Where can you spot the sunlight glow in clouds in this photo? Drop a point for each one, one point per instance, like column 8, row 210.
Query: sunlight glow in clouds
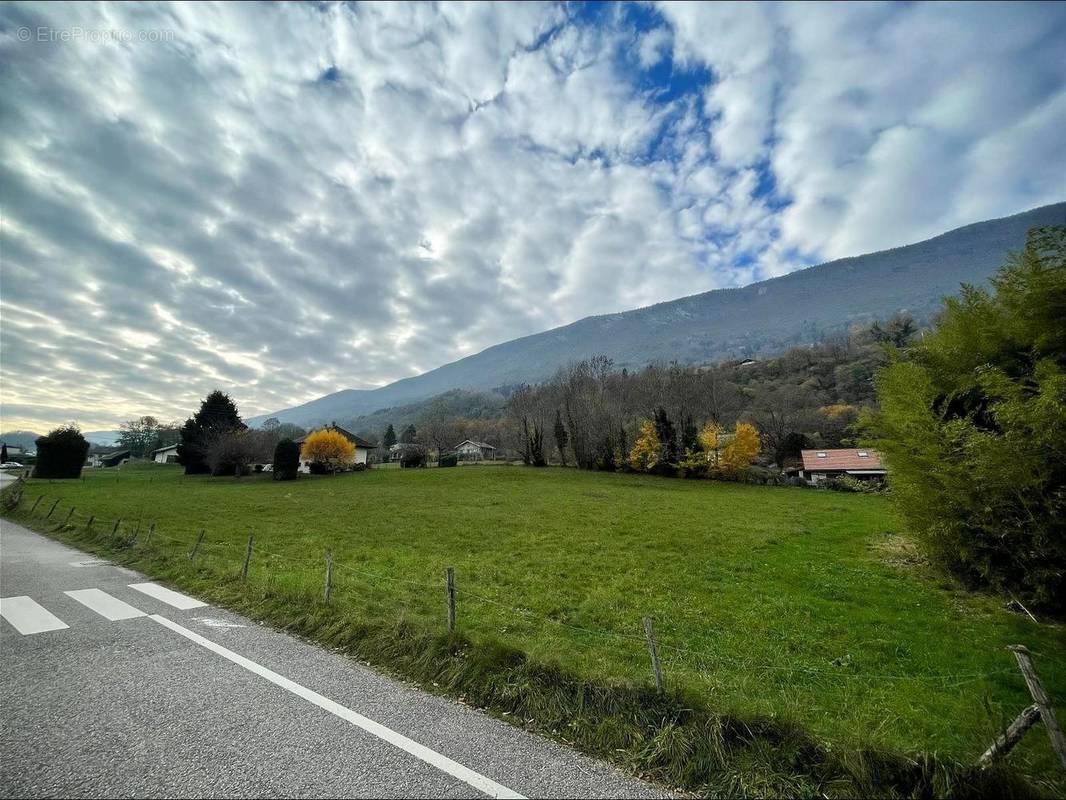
column 284, row 201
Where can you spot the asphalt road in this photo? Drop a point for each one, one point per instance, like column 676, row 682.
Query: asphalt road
column 110, row 690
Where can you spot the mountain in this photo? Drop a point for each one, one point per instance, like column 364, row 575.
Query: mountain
column 761, row 319
column 28, row 439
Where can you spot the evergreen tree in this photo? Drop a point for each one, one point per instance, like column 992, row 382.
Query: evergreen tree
column 61, row 454
column 217, row 416
column 286, row 460
column 3, row 454
column 971, row 428
column 690, row 441
column 389, row 439
column 409, row 435
column 667, row 434
column 561, row 436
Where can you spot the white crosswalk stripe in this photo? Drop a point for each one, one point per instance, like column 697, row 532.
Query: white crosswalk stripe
column 105, row 605
column 168, row 596
column 27, row 616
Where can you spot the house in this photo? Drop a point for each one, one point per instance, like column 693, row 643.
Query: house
column 821, row 465
column 116, row 459
column 165, row 455
column 470, row 450
column 362, row 446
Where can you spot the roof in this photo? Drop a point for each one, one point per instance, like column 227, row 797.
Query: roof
column 482, row 445
column 167, row 447
column 820, row 460
column 358, row 441
column 117, row 455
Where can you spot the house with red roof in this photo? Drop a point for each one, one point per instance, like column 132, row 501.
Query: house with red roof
column 821, row 465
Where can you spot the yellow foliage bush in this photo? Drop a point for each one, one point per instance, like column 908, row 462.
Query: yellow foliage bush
column 328, row 447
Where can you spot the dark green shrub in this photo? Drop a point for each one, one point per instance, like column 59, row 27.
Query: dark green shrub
column 448, row 460
column 286, row 460
column 61, row 454
column 971, row 428
column 413, row 456
column 217, row 416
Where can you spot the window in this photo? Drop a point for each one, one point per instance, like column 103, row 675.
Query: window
column 823, row 455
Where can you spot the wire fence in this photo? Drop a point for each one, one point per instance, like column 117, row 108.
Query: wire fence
column 690, row 660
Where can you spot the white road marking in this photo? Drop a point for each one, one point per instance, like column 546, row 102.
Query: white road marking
column 431, row 757
column 168, row 596
column 96, row 562
column 26, row 616
column 105, row 605
column 217, row 623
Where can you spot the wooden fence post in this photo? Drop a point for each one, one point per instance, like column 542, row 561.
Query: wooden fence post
column 67, row 519
column 196, row 547
column 451, row 599
column 653, row 651
column 148, row 536
column 1040, row 699
column 1014, row 733
column 114, row 530
column 247, row 560
column 89, row 524
column 53, row 508
column 329, row 574
column 33, row 508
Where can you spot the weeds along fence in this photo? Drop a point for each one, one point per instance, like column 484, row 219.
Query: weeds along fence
column 325, row 583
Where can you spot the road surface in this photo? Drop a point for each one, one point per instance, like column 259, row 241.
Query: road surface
column 112, row 686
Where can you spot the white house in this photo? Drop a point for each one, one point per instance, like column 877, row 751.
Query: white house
column 166, row 455
column 362, row 446
column 470, row 450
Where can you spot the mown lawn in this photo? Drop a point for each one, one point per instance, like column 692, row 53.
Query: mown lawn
column 805, row 605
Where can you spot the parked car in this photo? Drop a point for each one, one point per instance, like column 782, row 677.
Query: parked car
column 11, row 465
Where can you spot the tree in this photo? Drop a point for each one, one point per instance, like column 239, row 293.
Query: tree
column 3, row 454
column 217, row 415
column 61, row 454
column 271, row 424
column 139, row 435
column 232, row 452
column 667, row 434
column 646, row 451
column 710, row 439
column 971, row 424
column 286, row 460
column 409, row 435
column 742, row 449
column 533, row 447
column 389, row 439
column 328, row 448
column 561, row 437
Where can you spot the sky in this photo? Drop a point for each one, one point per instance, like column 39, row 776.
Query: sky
column 283, row 201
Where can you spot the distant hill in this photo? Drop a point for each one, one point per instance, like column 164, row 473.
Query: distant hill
column 761, row 319
column 28, row 439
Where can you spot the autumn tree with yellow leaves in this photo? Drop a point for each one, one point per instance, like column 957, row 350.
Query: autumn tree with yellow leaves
column 645, row 453
column 742, row 450
column 329, row 448
column 710, row 439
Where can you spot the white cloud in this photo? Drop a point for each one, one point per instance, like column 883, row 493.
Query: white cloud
column 289, row 200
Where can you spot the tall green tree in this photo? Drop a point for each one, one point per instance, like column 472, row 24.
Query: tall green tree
column 216, row 417
column 972, row 426
column 409, row 435
column 389, row 439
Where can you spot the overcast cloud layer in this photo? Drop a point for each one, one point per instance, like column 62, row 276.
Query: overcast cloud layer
column 284, row 201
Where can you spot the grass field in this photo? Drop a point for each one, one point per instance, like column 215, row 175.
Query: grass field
column 799, row 605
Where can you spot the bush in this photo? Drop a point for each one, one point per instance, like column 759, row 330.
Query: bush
column 846, row 483
column 286, row 460
column 448, row 460
column 328, row 451
column 413, row 456
column 971, row 426
column 61, row 454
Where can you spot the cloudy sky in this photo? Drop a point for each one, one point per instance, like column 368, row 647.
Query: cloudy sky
column 283, row 201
